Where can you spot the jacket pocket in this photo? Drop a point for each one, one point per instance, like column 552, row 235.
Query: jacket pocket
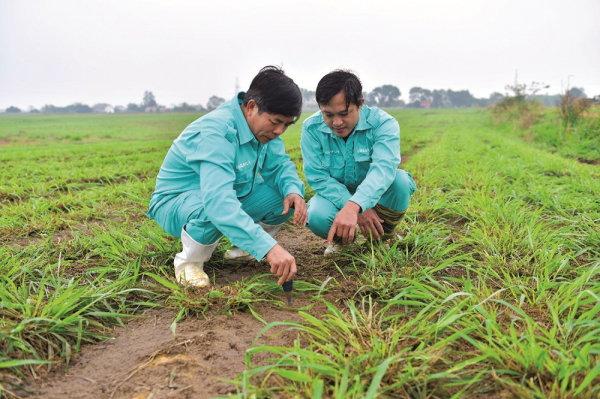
column 362, row 165
column 243, row 182
column 337, row 167
column 362, row 157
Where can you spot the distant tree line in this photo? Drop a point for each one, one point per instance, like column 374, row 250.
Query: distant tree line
column 13, row 109
column 386, row 96
column 425, row 98
column 148, row 104
column 383, row 96
column 76, row 108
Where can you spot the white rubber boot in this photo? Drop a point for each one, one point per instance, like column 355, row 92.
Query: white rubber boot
column 189, row 263
column 239, row 255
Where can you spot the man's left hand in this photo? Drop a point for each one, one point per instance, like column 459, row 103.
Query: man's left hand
column 370, row 223
column 297, row 202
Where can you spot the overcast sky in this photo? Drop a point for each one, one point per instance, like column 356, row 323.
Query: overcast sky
column 60, row 52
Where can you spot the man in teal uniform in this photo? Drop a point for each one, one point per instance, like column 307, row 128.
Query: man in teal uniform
column 228, row 174
column 351, row 154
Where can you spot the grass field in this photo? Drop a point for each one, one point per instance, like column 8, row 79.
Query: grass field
column 493, row 291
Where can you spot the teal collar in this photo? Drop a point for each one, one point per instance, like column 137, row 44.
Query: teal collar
column 363, row 123
column 244, row 132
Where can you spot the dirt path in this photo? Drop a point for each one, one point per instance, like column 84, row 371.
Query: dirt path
column 144, row 360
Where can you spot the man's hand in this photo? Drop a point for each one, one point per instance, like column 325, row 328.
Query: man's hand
column 370, row 222
column 282, row 264
column 297, row 202
column 344, row 224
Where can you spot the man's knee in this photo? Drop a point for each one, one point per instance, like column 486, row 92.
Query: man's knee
column 264, row 204
column 204, row 233
column 276, row 217
column 398, row 194
column 318, row 223
column 321, row 213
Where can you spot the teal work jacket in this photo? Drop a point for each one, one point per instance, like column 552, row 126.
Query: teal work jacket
column 359, row 169
column 218, row 157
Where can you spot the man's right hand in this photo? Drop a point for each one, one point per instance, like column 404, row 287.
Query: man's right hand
column 344, row 224
column 282, row 264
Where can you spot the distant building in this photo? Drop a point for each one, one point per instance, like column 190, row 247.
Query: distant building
column 103, row 109
column 151, row 109
column 425, row 104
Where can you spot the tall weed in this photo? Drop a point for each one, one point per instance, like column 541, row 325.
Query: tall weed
column 571, row 108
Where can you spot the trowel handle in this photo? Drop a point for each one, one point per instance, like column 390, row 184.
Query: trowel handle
column 288, row 286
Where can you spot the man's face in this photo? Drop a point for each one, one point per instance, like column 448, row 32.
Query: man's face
column 266, row 126
column 339, row 119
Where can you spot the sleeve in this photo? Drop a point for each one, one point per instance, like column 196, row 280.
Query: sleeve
column 317, row 173
column 384, row 162
column 279, row 171
column 214, row 160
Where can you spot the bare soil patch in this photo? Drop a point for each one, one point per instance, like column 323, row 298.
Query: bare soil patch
column 145, row 360
column 589, row 161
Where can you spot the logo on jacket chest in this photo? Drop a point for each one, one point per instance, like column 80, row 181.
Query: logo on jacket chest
column 242, row 165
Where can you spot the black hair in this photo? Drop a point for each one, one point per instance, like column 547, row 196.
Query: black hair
column 337, row 81
column 275, row 93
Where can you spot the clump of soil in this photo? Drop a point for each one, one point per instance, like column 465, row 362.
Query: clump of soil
column 144, row 360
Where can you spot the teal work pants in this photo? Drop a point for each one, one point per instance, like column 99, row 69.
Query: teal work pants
column 263, row 204
column 321, row 211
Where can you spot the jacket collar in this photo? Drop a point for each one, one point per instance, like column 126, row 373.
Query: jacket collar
column 244, row 133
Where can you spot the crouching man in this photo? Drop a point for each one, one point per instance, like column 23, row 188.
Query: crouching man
column 228, row 174
column 351, row 154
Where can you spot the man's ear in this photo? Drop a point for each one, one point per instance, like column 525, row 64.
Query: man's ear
column 251, row 106
column 362, row 102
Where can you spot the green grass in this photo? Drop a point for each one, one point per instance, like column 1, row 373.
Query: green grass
column 60, row 129
column 580, row 140
column 494, row 288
